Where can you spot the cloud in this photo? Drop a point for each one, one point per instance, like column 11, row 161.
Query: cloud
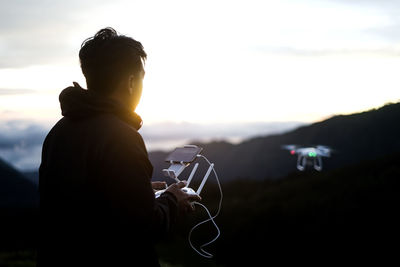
column 5, row 91
column 169, row 135
column 21, row 134
column 386, row 8
column 21, row 141
column 332, row 28
column 38, row 32
column 27, row 35
column 47, row 32
column 391, row 51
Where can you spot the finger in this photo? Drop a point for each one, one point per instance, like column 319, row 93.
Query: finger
column 159, row 185
column 194, row 198
column 181, row 184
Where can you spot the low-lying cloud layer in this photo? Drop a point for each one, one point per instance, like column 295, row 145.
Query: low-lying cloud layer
column 21, row 141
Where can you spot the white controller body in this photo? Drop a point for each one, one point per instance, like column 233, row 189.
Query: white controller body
column 187, row 190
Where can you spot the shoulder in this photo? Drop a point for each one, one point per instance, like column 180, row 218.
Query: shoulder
column 104, row 133
column 54, row 131
column 116, row 129
column 123, row 144
column 118, row 138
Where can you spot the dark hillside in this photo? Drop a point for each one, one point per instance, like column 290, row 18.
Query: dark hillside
column 15, row 189
column 348, row 214
column 19, row 201
column 356, row 137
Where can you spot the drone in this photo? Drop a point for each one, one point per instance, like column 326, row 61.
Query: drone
column 309, row 155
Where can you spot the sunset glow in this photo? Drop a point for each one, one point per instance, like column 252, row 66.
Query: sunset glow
column 243, row 61
column 211, row 65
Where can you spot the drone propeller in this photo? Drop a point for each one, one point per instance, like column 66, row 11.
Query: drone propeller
column 289, row 147
column 324, row 151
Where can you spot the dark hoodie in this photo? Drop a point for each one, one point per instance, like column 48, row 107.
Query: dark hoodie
column 97, row 206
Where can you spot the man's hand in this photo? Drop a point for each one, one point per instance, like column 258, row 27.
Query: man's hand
column 158, row 185
column 183, row 198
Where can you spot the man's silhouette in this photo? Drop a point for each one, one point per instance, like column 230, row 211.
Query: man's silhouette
column 97, row 204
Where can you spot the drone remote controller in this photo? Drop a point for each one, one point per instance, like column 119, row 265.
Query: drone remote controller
column 179, row 159
column 187, row 190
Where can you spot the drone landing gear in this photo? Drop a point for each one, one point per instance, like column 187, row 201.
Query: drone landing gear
column 302, row 163
column 318, row 163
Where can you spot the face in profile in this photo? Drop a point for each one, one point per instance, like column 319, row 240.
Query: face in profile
column 136, row 89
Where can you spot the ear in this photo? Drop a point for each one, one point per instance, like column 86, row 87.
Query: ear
column 131, row 84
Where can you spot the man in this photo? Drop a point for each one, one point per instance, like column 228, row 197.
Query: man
column 97, row 204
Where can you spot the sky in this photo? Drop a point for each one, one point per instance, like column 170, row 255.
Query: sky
column 237, row 68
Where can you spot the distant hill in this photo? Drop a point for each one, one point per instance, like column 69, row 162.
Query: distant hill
column 355, row 137
column 15, row 190
column 19, row 202
column 32, row 176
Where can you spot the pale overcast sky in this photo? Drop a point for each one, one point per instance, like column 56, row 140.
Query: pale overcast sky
column 211, row 61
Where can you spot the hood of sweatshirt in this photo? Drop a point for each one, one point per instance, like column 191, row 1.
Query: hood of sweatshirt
column 79, row 103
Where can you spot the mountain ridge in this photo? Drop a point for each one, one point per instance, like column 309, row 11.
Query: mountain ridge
column 15, row 189
column 355, row 137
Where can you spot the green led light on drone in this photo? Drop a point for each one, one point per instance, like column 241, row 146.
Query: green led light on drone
column 312, row 154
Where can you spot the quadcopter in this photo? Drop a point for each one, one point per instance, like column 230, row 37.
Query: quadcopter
column 309, row 155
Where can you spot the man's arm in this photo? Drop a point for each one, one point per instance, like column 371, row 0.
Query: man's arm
column 125, row 182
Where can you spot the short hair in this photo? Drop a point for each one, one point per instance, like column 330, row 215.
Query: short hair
column 107, row 57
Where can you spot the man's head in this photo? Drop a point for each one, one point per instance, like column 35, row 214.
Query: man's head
column 113, row 64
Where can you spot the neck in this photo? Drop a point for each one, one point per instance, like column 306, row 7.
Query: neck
column 123, row 99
